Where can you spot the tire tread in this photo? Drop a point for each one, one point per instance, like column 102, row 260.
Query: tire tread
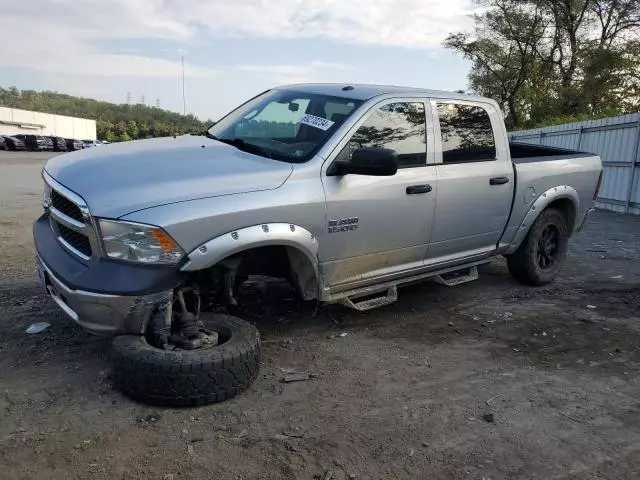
column 522, row 263
column 186, row 378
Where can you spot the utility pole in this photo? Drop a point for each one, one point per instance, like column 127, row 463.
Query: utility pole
column 158, row 102
column 142, row 100
column 184, row 101
column 128, row 98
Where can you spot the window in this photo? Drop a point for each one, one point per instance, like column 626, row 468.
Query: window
column 398, row 126
column 466, row 132
column 284, row 124
column 279, row 120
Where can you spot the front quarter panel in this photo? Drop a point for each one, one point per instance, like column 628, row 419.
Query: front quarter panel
column 299, row 202
column 266, row 234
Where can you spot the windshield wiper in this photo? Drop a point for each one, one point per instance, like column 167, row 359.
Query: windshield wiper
column 209, row 135
column 240, row 144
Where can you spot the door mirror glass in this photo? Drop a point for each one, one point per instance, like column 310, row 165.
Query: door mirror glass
column 374, row 161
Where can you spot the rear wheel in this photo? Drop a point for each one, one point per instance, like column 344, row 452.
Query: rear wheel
column 176, row 377
column 539, row 258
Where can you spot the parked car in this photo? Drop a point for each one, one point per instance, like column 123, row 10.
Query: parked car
column 73, row 144
column 91, row 143
column 34, row 142
column 351, row 193
column 59, row 144
column 3, row 144
column 14, row 143
column 48, row 142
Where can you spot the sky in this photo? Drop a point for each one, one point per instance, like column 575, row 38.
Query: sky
column 232, row 49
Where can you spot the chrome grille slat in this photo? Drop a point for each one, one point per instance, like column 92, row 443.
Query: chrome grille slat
column 70, row 220
column 67, row 221
column 65, row 206
column 76, row 240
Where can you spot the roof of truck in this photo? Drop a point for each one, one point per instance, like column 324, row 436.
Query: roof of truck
column 366, row 91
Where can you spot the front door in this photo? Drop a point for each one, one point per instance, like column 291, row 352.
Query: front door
column 475, row 182
column 380, row 226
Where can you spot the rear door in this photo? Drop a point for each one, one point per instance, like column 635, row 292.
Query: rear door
column 379, row 227
column 475, row 181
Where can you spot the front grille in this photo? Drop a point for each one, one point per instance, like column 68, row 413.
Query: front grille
column 66, row 206
column 77, row 240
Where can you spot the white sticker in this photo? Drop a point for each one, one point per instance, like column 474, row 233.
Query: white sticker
column 317, row 122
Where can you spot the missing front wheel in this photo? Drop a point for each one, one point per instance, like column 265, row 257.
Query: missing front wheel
column 177, row 324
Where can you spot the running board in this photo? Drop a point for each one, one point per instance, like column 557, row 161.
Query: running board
column 385, row 298
column 452, row 279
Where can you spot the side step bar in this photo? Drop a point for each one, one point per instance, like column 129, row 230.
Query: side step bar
column 375, row 299
column 454, row 278
column 385, row 298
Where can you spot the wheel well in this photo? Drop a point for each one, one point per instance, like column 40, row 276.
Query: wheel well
column 568, row 210
column 278, row 261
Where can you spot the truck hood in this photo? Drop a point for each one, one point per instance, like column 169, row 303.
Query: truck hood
column 121, row 178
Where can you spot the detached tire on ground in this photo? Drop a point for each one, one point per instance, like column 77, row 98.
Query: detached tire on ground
column 540, row 256
column 189, row 377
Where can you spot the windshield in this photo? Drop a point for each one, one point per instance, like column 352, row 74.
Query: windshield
column 284, row 124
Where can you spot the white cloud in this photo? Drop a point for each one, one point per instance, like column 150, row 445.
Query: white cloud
column 413, row 23
column 65, row 35
column 315, row 71
column 61, row 37
column 72, row 41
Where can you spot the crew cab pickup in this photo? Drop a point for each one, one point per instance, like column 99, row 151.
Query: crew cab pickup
column 347, row 191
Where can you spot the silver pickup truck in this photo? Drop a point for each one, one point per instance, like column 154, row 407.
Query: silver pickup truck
column 346, row 191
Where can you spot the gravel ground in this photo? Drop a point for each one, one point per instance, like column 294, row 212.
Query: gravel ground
column 489, row 380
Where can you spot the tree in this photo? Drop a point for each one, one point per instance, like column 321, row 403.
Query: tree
column 132, row 129
column 502, row 51
column 103, row 129
column 143, row 130
column 542, row 59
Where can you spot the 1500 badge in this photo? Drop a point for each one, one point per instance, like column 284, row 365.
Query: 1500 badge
column 343, row 224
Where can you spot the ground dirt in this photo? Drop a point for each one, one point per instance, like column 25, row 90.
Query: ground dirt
column 488, row 380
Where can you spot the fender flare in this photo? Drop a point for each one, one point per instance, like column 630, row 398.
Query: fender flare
column 266, row 234
column 543, row 201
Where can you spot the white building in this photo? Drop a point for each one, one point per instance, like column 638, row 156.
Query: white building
column 13, row 121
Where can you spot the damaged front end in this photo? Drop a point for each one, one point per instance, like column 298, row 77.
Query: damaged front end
column 177, row 325
column 101, row 313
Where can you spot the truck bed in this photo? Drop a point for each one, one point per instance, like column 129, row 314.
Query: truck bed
column 540, row 168
column 529, row 152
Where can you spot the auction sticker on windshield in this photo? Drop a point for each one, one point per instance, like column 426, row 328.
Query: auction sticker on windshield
column 317, row 122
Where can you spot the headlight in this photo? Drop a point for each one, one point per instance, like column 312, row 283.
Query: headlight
column 46, row 196
column 135, row 242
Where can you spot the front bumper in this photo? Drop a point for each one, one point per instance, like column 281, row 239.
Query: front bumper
column 99, row 313
column 102, row 296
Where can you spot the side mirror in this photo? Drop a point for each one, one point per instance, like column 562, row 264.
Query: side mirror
column 378, row 162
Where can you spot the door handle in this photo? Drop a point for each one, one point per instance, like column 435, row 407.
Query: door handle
column 499, row 180
column 417, row 189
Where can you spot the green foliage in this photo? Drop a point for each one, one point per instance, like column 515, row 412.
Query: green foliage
column 547, row 61
column 113, row 122
column 562, row 119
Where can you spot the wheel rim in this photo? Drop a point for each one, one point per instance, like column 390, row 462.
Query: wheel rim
column 547, row 254
column 225, row 333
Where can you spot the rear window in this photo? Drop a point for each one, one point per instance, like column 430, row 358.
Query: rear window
column 467, row 135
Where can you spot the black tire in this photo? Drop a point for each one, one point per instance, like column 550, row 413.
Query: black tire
column 180, row 378
column 525, row 264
